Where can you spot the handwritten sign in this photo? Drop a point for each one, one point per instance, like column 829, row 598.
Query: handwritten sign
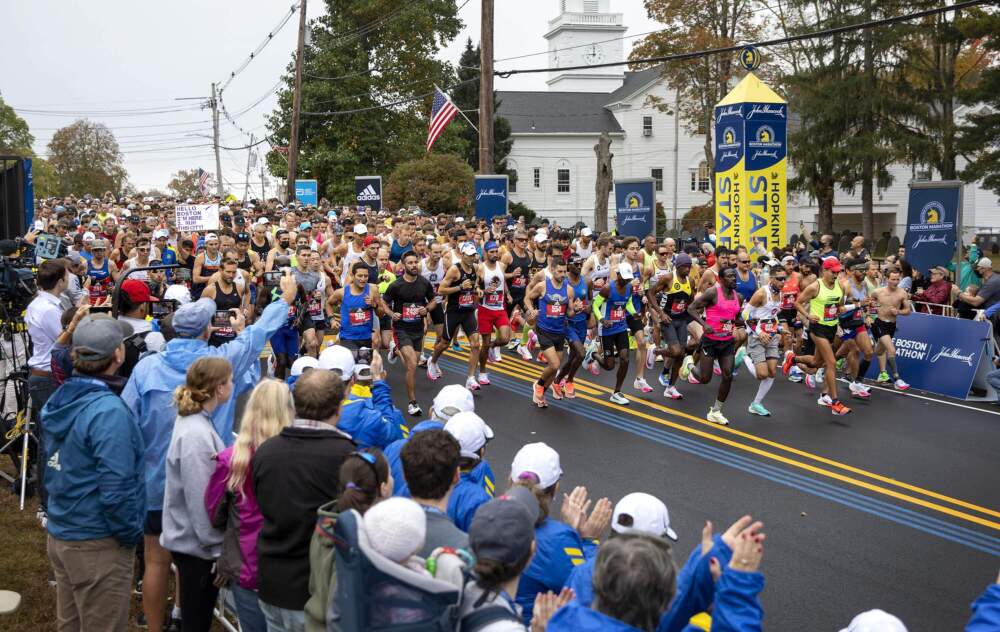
column 196, row 217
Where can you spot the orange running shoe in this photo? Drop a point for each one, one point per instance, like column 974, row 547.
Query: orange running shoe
column 538, row 395
column 569, row 390
column 838, row 408
column 557, row 392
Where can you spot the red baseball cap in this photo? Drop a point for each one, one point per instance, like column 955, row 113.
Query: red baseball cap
column 831, row 263
column 369, row 240
column 138, row 291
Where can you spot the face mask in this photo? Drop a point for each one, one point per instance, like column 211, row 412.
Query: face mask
column 284, row 244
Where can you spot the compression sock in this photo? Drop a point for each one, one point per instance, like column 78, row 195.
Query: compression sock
column 524, row 334
column 891, row 361
column 862, row 369
column 763, row 388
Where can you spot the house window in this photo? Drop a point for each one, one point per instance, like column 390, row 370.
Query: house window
column 562, row 180
column 700, row 180
column 590, row 6
column 538, row 177
column 512, row 178
column 657, row 175
column 647, row 126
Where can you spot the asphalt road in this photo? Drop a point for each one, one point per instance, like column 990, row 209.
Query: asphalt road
column 895, row 506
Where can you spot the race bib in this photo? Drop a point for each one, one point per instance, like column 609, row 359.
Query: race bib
column 769, row 326
column 411, row 313
column 493, row 299
column 727, row 326
column 519, row 282
column 315, row 307
column 617, row 314
column 555, row 310
column 465, row 299
column 830, row 311
column 292, row 312
column 787, row 300
column 360, row 317
column 679, row 307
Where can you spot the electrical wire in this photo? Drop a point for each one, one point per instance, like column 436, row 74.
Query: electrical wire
column 260, row 47
column 389, row 105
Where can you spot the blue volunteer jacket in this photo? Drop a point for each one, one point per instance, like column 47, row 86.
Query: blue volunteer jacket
column 483, row 475
column 986, row 611
column 465, row 499
column 558, row 548
column 392, row 454
column 370, row 418
column 94, row 464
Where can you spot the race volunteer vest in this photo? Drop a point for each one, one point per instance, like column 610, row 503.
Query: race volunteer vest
column 614, row 309
column 463, row 299
column 493, row 288
column 552, row 308
column 676, row 300
column 767, row 314
column 357, row 320
column 582, row 292
column 790, row 291
column 100, row 281
column 519, row 283
column 824, row 305
column 722, row 316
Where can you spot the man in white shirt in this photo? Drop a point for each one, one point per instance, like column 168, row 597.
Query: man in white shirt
column 43, row 321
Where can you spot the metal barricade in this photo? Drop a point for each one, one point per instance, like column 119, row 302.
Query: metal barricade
column 937, row 309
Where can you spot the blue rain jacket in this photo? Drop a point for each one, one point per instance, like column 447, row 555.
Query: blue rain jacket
column 558, row 548
column 465, row 499
column 986, row 611
column 370, row 418
column 392, row 454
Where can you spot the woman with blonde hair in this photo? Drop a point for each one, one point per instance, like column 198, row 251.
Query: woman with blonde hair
column 230, row 500
column 187, row 532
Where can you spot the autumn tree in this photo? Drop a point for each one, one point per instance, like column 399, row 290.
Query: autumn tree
column 85, row 158
column 979, row 136
column 439, row 183
column 184, row 183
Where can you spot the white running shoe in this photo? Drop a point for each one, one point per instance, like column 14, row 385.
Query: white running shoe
column 414, row 409
column 820, row 373
column 716, row 417
column 672, row 393
column 524, row 352
column 825, row 400
column 594, row 368
column 472, row 384
column 858, row 390
column 392, row 355
column 484, row 379
column 618, row 398
column 650, row 357
column 641, row 384
column 901, row 385
column 513, row 344
column 494, row 354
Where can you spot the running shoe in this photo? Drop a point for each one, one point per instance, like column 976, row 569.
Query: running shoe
column 392, row 356
column 789, row 363
column 748, row 363
column 840, row 364
column 532, row 340
column 632, row 344
column 825, row 400
column 414, row 409
column 795, row 377
column 716, row 369
column 686, row 367
column 641, row 384
column 839, row 409
column 523, row 352
column 716, row 417
column 538, row 395
column 455, row 346
column 594, row 368
column 741, row 353
column 513, row 344
column 541, row 358
column 650, row 357
column 901, row 385
column 484, row 379
column 810, row 381
column 756, row 408
column 672, row 393
column 432, row 371
column 820, row 374
column 494, row 354
column 422, row 362
column 693, row 380
column 882, row 377
column 557, row 391
column 472, row 384
column 664, row 379
column 569, row 390
column 858, row 390
column 618, row 398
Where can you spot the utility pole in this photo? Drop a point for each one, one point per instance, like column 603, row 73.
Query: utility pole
column 486, row 89
column 246, row 187
column 293, row 142
column 263, row 190
column 215, row 141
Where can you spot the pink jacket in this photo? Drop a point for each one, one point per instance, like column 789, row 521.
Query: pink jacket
column 240, row 516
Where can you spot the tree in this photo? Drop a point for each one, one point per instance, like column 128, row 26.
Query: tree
column 44, row 178
column 979, row 136
column 15, row 138
column 603, row 182
column 439, row 183
column 86, row 159
column 466, row 97
column 374, row 63
column 184, row 183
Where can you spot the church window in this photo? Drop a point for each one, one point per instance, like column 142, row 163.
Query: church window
column 538, row 177
column 512, row 178
column 590, row 6
column 657, row 176
column 562, row 180
column 700, row 178
column 647, row 126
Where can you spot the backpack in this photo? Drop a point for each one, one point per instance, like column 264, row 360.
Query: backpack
column 135, row 350
column 482, row 617
column 322, row 569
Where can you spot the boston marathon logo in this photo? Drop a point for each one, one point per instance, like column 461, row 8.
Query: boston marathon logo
column 633, row 202
column 368, row 194
column 933, row 226
column 765, row 144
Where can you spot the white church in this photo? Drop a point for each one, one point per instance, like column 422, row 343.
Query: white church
column 554, row 133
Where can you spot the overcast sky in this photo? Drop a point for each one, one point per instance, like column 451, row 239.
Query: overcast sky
column 124, row 63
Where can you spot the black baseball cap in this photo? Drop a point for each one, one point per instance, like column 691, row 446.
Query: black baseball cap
column 243, row 237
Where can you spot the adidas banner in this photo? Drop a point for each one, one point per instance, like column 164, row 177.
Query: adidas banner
column 368, row 191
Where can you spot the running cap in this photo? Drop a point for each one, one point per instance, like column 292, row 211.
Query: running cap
column 471, row 432
column 360, row 229
column 161, row 233
column 491, row 245
column 468, row 249
column 98, row 335
column 586, row 232
column 451, row 400
column 138, row 291
column 831, row 263
column 625, row 271
column 682, row 259
column 89, row 236
column 541, row 237
column 211, row 236
column 643, row 513
column 538, row 460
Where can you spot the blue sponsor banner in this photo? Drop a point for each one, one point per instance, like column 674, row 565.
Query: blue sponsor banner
column 728, row 136
column 931, row 227
column 307, row 192
column 29, row 194
column 634, row 202
column 491, row 195
column 368, row 191
column 939, row 354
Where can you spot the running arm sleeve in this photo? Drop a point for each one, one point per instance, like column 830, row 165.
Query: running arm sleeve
column 598, row 308
column 630, row 308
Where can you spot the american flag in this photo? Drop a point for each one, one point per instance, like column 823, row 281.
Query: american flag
column 442, row 111
column 202, row 181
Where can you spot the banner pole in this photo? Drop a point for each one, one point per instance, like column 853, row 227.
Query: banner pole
column 958, row 233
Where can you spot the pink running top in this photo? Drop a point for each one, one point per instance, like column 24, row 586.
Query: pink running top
column 722, row 316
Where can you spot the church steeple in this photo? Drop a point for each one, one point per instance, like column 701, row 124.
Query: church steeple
column 579, row 36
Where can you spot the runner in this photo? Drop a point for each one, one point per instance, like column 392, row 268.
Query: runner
column 611, row 304
column 669, row 299
column 227, row 297
column 408, row 299
column 432, row 269
column 721, row 305
column 492, row 313
column 583, row 246
column 101, row 275
column 763, row 342
column 854, row 338
column 517, row 262
column 633, row 256
column 577, row 327
column 205, row 265
column 555, row 305
column 459, row 287
column 358, row 303
column 891, row 302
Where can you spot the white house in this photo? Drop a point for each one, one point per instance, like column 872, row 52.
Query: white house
column 555, row 131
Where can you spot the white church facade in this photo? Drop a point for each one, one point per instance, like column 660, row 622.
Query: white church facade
column 554, row 133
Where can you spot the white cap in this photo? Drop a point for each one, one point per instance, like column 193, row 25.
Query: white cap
column 89, row 236
column 541, row 237
column 469, row 249
column 538, row 459
column 451, row 400
column 211, row 236
column 147, row 207
column 985, row 263
column 396, row 528
column 263, row 220
column 179, row 293
column 643, row 513
column 301, row 364
column 586, row 232
column 625, row 271
column 875, row 621
column 126, row 212
column 161, row 232
column 360, row 229
column 189, row 201
column 459, row 220
column 337, row 358
column 471, row 431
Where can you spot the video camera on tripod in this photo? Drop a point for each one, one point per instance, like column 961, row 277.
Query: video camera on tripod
column 17, row 275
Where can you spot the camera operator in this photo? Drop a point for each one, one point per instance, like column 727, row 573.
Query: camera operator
column 43, row 319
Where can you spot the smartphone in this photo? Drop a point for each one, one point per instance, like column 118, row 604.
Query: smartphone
column 164, row 308
column 100, row 309
column 221, row 318
column 364, row 355
column 272, row 279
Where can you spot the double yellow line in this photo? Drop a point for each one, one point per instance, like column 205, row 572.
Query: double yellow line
column 593, row 392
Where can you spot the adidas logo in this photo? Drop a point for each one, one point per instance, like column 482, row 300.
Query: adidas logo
column 368, row 194
column 54, row 462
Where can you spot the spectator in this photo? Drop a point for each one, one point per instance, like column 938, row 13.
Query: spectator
column 62, row 348
column 472, row 433
column 938, row 293
column 77, row 268
column 365, row 479
column 986, row 610
column 559, row 546
column 396, row 529
column 431, row 466
column 989, row 291
column 450, row 400
column 826, row 248
column 149, row 394
column 858, row 252
column 188, row 534
column 95, row 508
column 368, row 414
column 293, row 474
column 231, row 502
column 875, row 620
column 966, row 273
column 133, row 307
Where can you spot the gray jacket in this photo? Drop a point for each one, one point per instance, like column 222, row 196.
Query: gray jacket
column 190, row 462
column 441, row 531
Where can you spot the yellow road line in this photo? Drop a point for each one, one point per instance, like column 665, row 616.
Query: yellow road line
column 520, row 369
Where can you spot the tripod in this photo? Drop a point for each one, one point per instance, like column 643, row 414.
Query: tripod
column 18, row 424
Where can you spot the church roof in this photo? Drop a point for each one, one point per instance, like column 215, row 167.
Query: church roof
column 569, row 112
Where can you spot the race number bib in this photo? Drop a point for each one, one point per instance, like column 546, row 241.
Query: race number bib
column 360, row 317
column 727, row 326
column 830, row 311
column 788, row 300
column 493, row 299
column 315, row 307
column 617, row 314
column 555, row 310
column 465, row 299
column 519, row 281
column 679, row 307
column 411, row 313
column 769, row 326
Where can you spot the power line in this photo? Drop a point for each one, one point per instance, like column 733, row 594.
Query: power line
column 764, row 44
column 389, row 105
column 260, row 47
column 104, row 113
